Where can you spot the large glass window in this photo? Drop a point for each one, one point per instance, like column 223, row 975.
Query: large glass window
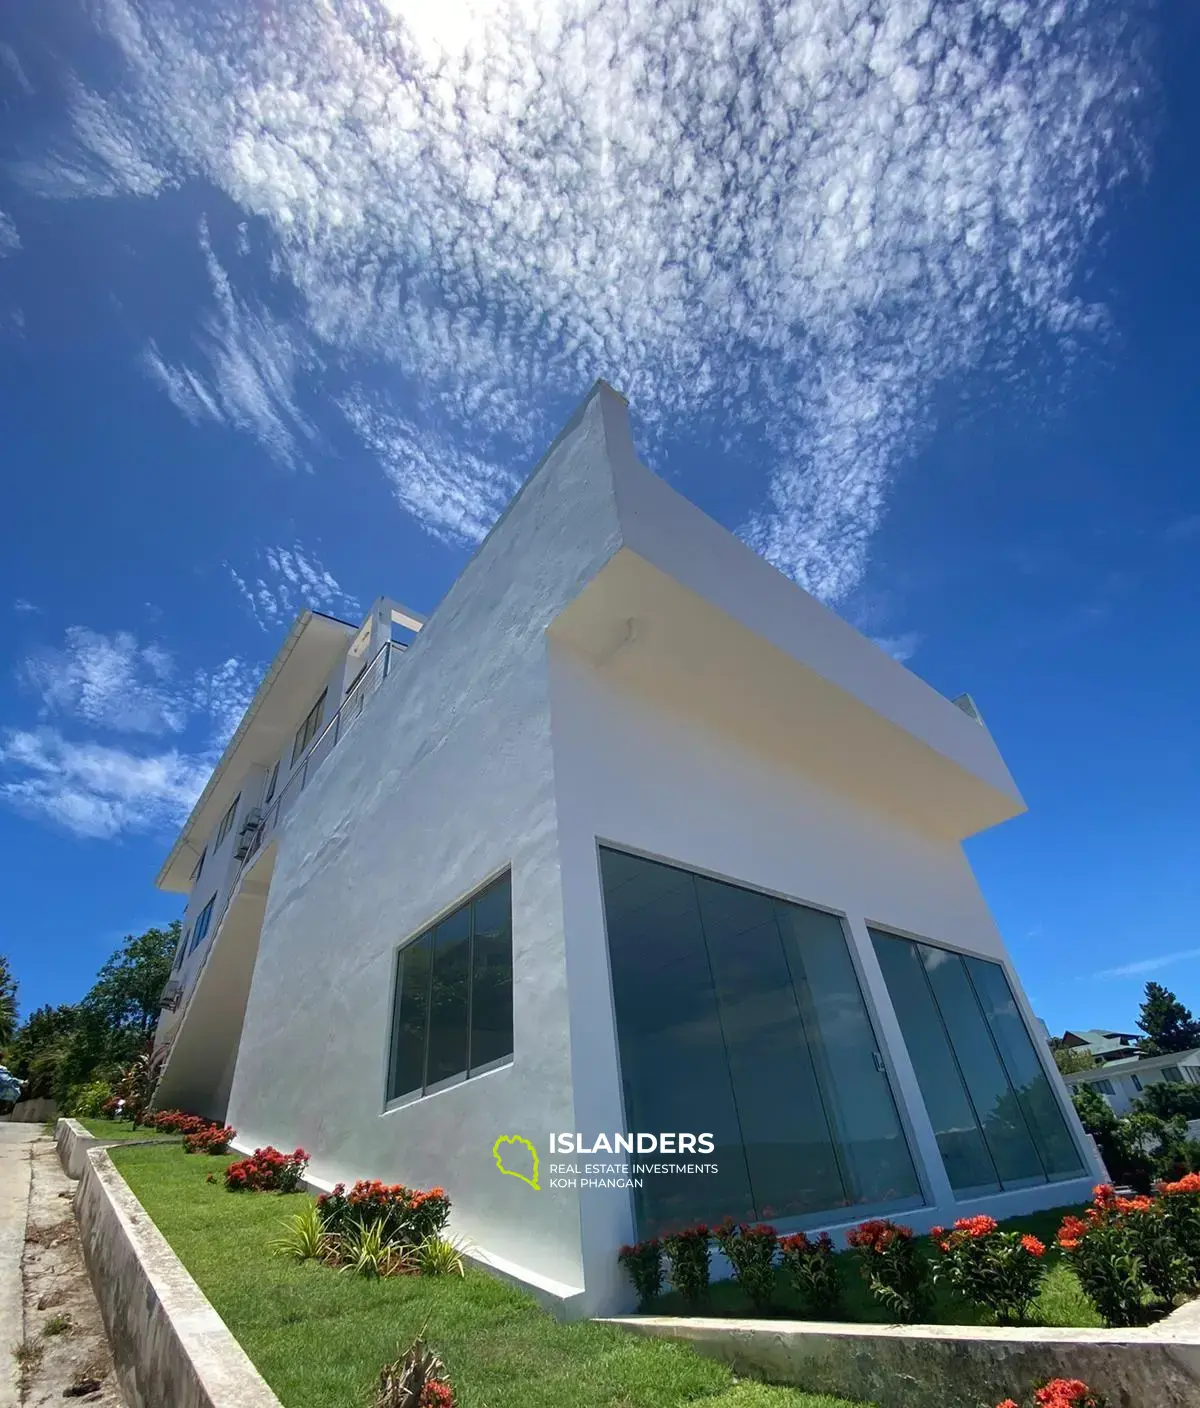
column 452, row 1013
column 308, row 729
column 995, row 1114
column 740, row 1015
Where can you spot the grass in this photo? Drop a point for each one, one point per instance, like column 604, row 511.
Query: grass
column 319, row 1338
column 57, row 1325
column 1061, row 1303
column 119, row 1129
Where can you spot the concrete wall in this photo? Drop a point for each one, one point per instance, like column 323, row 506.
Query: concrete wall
column 635, row 771
column 445, row 782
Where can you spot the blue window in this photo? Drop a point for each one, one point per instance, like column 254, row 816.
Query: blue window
column 203, row 920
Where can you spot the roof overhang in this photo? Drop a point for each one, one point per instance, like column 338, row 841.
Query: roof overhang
column 305, row 660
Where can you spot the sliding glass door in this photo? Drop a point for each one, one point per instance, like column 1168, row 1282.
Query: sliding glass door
column 995, row 1114
column 741, row 1015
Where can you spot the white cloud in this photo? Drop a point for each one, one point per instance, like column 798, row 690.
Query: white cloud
column 110, row 682
column 10, row 240
column 900, row 647
column 11, row 61
column 24, row 607
column 117, row 684
column 96, row 791
column 800, row 218
column 253, row 360
column 1149, row 965
column 291, row 579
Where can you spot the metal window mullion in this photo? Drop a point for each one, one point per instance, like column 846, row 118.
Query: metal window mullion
column 428, row 1009
column 470, row 981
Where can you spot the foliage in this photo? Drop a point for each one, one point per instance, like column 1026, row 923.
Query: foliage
column 176, row 1122
column 8, row 1003
column 365, row 1249
column 1180, row 1201
column 999, row 1271
column 1122, row 1156
column 896, row 1272
column 1168, row 1024
column 417, row 1380
column 211, row 1139
column 688, row 1257
column 304, row 1236
column 440, row 1256
column 1059, row 1393
column 1070, row 1059
column 89, row 1100
column 751, row 1252
column 135, row 1088
column 39, row 1050
column 1170, row 1099
column 410, row 1214
column 267, row 1171
column 643, row 1263
column 811, row 1266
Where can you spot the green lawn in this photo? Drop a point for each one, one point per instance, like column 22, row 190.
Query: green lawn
column 319, row 1336
column 122, row 1129
column 1061, row 1303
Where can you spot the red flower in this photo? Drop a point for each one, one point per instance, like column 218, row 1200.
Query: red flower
column 1071, row 1232
column 979, row 1226
column 1008, row 1403
column 1033, row 1246
column 1189, row 1183
column 1064, row 1392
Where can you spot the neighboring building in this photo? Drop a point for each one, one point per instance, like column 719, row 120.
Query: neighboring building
column 1104, row 1046
column 636, row 837
column 1121, row 1082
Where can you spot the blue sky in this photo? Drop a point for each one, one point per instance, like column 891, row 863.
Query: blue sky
column 292, row 297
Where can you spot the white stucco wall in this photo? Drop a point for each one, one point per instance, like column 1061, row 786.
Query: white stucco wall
column 639, row 775
column 446, row 780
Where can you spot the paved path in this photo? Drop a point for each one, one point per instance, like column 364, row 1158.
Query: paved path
column 15, row 1140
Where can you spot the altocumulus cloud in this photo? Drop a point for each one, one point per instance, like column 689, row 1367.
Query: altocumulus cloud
column 798, row 217
column 291, row 578
column 116, row 684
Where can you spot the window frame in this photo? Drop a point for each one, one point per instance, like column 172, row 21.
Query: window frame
column 308, row 729
column 1136, row 1082
column 226, row 824
column 1103, row 1086
column 1172, row 1075
column 202, row 924
column 428, row 931
column 199, row 865
column 272, row 783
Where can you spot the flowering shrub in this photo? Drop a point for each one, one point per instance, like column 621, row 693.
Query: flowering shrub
column 811, row 1267
column 1103, row 1250
column 688, row 1256
column 267, row 1171
column 1059, row 1393
column 210, row 1139
column 895, row 1270
column 751, row 1252
column 409, row 1215
column 643, row 1262
column 177, row 1122
column 1180, row 1203
column 111, row 1109
column 1001, row 1271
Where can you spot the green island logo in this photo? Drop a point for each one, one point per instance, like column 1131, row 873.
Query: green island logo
column 498, row 1155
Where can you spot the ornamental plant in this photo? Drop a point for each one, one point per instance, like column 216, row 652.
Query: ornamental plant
column 409, row 1215
column 751, row 1252
column 267, row 1171
column 810, row 1264
column 1058, row 1393
column 688, row 1256
column 643, row 1264
column 895, row 1271
column 1166, row 1269
column 211, row 1139
column 999, row 1271
column 1105, row 1249
column 1180, row 1203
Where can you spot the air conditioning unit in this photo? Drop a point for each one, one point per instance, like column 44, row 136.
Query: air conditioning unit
column 245, row 839
column 171, row 995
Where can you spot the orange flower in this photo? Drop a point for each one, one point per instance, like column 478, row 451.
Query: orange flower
column 1189, row 1183
column 1008, row 1403
column 1070, row 1233
column 979, row 1226
column 1032, row 1245
column 1060, row 1393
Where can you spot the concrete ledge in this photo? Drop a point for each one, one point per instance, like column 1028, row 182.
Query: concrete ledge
column 952, row 1366
column 169, row 1345
column 74, row 1141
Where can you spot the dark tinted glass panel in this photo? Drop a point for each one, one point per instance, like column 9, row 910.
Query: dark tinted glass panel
column 732, row 1012
column 865, row 1125
column 491, row 989
column 448, row 998
column 1031, row 1085
column 996, row 1106
column 968, row 1163
column 408, row 1038
column 673, row 1063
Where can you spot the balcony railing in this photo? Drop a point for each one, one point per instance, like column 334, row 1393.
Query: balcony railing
column 321, row 747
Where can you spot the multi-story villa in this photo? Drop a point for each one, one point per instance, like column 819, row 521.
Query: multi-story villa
column 633, row 841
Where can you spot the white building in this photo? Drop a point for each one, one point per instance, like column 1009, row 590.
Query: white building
column 666, row 848
column 1121, row 1082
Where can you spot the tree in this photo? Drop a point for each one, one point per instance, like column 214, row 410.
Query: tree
column 40, row 1047
column 1070, row 1059
column 1168, row 1024
column 8, row 1003
column 1167, row 1099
